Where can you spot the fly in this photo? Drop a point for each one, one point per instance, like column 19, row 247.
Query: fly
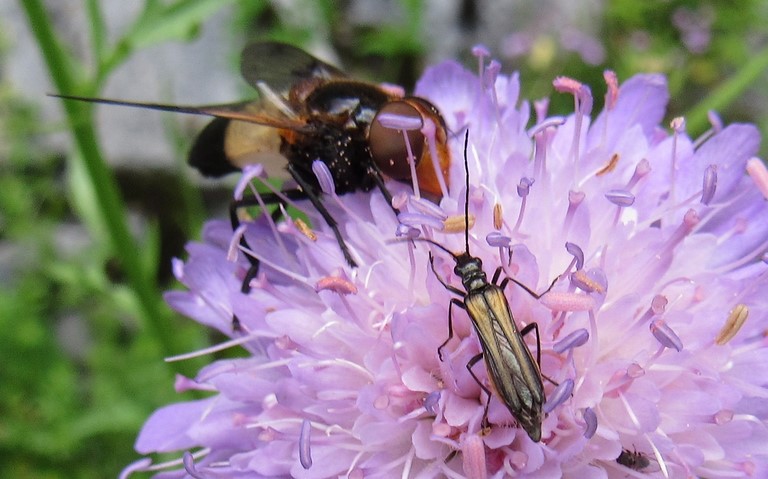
column 309, row 110
column 638, row 461
column 633, row 460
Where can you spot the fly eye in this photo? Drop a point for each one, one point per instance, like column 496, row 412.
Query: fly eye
column 388, row 148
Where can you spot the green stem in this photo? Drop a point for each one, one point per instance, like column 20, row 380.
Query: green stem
column 725, row 94
column 110, row 205
column 98, row 29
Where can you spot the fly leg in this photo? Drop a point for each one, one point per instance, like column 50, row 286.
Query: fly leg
column 312, row 196
column 374, row 172
column 267, row 199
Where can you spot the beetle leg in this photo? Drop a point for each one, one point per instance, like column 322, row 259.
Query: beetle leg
column 528, row 290
column 527, row 329
column 506, row 281
column 471, row 363
column 447, row 286
column 458, row 303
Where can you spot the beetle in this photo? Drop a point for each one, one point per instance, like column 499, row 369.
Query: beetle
column 512, row 370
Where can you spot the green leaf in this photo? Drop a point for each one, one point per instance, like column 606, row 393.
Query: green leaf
column 728, row 92
column 178, row 21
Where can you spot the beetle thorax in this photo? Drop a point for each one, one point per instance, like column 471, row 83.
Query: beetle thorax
column 470, row 270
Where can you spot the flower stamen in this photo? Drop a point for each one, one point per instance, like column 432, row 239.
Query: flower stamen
column 759, row 173
column 252, row 173
column 489, row 80
column 622, row 199
column 305, row 229
column 481, row 52
column 189, row 466
column 498, row 218
column 582, row 97
column 523, row 189
column 542, row 134
column 407, row 232
column 566, row 301
column 336, row 284
column 610, row 166
column 432, row 401
column 575, row 198
column 458, row 223
column 709, row 184
column 657, row 307
column 736, row 318
column 666, row 335
column 223, row 346
column 419, row 219
column 305, row 453
column 473, row 452
column 324, row 177
column 573, row 340
column 427, row 207
column 561, row 393
column 578, row 256
column 590, row 422
column 690, row 220
column 498, row 240
column 264, row 259
column 429, row 130
column 586, row 283
column 328, row 186
column 642, row 168
column 404, row 124
column 541, row 107
column 612, row 93
column 678, row 128
column 716, row 127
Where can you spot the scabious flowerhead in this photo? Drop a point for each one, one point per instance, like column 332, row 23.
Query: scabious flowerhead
column 651, row 337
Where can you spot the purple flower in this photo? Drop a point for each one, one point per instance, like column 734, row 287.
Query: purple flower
column 654, row 328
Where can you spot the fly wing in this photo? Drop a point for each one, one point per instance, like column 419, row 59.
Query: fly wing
column 281, row 66
column 241, row 133
column 248, row 111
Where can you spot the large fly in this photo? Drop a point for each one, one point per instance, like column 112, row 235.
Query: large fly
column 308, row 110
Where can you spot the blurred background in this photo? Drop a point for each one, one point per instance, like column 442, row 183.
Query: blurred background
column 94, row 202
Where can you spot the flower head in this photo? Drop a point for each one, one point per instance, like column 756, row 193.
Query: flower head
column 651, row 337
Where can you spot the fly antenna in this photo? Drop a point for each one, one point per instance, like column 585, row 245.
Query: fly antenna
column 466, row 194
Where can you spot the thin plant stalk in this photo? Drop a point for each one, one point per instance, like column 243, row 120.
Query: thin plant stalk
column 111, row 207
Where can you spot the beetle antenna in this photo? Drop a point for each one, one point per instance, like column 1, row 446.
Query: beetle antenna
column 466, row 197
column 435, row 243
